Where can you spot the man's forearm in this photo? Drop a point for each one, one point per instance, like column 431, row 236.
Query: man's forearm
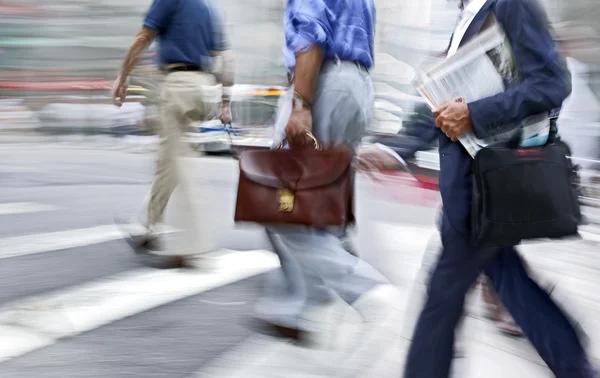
column 307, row 69
column 227, row 74
column 143, row 39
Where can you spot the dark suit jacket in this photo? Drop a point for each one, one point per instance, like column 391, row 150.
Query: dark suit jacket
column 417, row 134
column 545, row 85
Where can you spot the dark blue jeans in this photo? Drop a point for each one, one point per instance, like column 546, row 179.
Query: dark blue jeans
column 458, row 267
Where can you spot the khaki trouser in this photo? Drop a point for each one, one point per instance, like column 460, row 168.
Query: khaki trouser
column 181, row 103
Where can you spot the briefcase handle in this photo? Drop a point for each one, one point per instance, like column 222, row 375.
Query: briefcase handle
column 317, row 145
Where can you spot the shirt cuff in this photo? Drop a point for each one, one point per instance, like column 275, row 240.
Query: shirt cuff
column 391, row 152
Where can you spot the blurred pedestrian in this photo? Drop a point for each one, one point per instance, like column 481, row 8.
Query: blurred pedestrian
column 390, row 152
column 579, row 119
column 190, row 35
column 544, row 86
column 329, row 51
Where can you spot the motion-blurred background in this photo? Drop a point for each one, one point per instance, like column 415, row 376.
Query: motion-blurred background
column 61, row 52
column 76, row 302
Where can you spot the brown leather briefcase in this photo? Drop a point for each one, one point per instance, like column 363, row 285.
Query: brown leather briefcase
column 302, row 187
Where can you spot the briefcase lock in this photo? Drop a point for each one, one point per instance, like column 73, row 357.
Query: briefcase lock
column 286, row 200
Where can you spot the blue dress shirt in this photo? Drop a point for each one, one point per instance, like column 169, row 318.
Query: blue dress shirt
column 344, row 29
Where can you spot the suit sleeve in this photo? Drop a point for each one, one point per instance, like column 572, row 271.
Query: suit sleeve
column 545, row 83
column 418, row 134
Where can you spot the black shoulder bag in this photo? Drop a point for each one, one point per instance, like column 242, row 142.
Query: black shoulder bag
column 523, row 193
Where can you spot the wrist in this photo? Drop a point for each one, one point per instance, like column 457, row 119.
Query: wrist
column 226, row 95
column 299, row 102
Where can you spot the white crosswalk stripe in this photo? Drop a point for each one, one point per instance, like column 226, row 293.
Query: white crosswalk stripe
column 33, row 323
column 53, row 241
column 13, row 208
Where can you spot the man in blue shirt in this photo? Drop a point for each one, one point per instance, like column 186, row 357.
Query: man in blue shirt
column 190, row 35
column 323, row 36
column 329, row 51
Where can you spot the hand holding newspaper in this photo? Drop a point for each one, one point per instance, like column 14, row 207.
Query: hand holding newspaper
column 481, row 68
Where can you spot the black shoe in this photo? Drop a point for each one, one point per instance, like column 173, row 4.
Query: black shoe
column 145, row 243
column 164, row 262
column 141, row 242
column 274, row 330
column 146, row 246
column 349, row 247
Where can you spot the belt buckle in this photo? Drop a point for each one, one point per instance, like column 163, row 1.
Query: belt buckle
column 176, row 67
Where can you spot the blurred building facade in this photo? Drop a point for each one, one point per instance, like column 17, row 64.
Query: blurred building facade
column 42, row 40
column 88, row 38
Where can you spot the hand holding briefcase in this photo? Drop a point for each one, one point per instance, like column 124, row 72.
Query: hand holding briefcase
column 311, row 187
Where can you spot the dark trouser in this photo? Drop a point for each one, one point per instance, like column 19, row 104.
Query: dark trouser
column 457, row 269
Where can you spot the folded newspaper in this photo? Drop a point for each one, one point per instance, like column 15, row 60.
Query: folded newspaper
column 284, row 110
column 483, row 67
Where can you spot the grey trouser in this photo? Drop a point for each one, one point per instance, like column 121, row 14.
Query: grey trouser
column 181, row 103
column 314, row 262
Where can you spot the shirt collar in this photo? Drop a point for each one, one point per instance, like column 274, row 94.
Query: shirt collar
column 472, row 7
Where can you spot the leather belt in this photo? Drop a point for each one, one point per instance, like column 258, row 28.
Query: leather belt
column 169, row 68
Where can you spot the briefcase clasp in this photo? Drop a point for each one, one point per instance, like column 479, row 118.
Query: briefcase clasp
column 286, row 200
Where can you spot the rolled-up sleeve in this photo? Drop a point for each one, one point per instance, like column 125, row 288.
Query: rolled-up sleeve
column 160, row 14
column 307, row 23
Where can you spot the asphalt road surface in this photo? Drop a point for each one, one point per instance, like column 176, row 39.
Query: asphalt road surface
column 76, row 302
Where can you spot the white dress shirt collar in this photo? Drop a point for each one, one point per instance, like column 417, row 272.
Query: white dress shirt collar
column 472, row 7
